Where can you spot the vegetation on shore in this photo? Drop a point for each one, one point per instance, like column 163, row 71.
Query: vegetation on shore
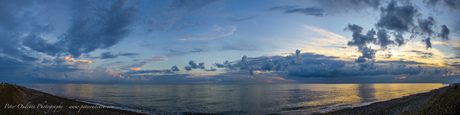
column 10, row 96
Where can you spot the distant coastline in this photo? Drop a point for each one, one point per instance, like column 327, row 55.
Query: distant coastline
column 445, row 100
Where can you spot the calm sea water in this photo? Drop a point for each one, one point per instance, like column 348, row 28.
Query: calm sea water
column 234, row 98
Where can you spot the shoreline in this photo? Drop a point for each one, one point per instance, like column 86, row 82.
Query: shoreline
column 431, row 102
column 420, row 103
column 22, row 100
column 88, row 102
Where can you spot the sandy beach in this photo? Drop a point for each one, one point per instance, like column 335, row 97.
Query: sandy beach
column 20, row 100
column 444, row 100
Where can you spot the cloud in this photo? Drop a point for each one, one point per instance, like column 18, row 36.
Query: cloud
column 361, row 41
column 427, row 42
column 146, row 61
column 453, row 4
column 177, row 15
column 432, row 2
column 193, row 65
column 399, row 39
column 315, row 65
column 110, row 55
column 94, row 27
column 368, row 52
column 175, row 68
column 397, row 18
column 17, row 23
column 312, row 11
column 80, row 28
column 212, row 69
column 444, row 34
column 225, row 64
column 423, row 54
column 426, row 26
column 131, row 73
column 214, row 32
column 97, row 75
column 347, row 6
column 106, row 55
column 188, row 68
column 39, row 44
column 12, row 68
column 384, row 39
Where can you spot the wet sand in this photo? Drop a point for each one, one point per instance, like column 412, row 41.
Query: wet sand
column 15, row 100
column 445, row 100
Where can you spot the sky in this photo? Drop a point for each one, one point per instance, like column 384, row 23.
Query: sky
column 229, row 41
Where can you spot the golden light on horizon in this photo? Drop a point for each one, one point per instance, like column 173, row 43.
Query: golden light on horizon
column 403, row 77
column 136, row 69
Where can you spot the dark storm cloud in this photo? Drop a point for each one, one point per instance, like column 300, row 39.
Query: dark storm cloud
column 399, row 39
column 384, row 39
column 15, row 23
column 368, row 52
column 427, row 42
column 315, row 65
column 453, row 4
column 92, row 25
column 426, row 26
column 313, row 11
column 332, row 70
column 39, row 44
column 444, row 34
column 359, row 39
column 397, row 18
column 97, row 27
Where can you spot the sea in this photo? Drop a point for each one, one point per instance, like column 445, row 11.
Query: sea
column 234, row 98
